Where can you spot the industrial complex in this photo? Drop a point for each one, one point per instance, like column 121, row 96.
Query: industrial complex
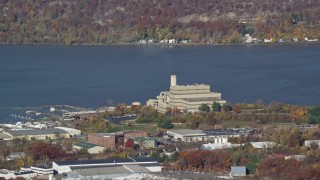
column 186, row 98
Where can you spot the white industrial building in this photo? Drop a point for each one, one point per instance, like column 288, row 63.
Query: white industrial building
column 186, row 98
column 73, row 132
column 107, row 172
column 214, row 135
column 121, row 164
column 38, row 134
column 39, row 170
column 263, row 144
column 190, row 135
column 13, row 175
column 225, row 145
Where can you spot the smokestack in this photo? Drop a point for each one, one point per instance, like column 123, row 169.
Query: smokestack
column 173, row 80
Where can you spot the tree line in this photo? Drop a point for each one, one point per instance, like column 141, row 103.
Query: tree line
column 127, row 21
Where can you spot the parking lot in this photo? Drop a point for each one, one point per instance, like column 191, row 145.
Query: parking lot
column 119, row 119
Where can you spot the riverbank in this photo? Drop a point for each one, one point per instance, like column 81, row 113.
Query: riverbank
column 167, row 44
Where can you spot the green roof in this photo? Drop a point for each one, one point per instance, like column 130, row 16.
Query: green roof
column 85, row 145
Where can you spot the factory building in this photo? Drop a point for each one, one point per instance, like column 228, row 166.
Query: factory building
column 186, row 98
column 114, row 140
column 38, row 134
column 216, row 136
column 115, row 166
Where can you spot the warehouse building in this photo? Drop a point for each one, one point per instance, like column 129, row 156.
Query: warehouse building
column 4, row 136
column 38, row 134
column 72, row 132
column 115, row 166
column 215, row 135
column 114, row 140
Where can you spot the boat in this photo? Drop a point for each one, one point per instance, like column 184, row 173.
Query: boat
column 52, row 109
column 29, row 112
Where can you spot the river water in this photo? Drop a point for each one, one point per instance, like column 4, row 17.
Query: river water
column 94, row 76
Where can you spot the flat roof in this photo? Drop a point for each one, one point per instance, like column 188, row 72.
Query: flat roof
column 3, row 135
column 214, row 132
column 104, row 161
column 35, row 132
column 137, row 168
column 101, row 171
column 108, row 170
column 85, row 145
column 202, row 99
column 187, row 132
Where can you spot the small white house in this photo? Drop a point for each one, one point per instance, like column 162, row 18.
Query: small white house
column 267, row 40
column 164, row 41
column 295, row 39
column 308, row 143
column 248, row 38
column 184, row 41
column 172, row 41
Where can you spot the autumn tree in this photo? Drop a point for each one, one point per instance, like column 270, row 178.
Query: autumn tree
column 129, row 143
column 236, row 109
column 278, row 167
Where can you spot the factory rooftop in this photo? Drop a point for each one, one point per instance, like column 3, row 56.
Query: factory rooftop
column 85, row 145
column 105, row 161
column 4, row 136
column 35, row 132
column 188, row 132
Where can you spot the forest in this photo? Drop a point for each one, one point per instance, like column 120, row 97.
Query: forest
column 128, row 21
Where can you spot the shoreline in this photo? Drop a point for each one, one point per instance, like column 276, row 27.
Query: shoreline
column 168, row 45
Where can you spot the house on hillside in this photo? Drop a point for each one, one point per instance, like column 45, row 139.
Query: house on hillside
column 172, row 41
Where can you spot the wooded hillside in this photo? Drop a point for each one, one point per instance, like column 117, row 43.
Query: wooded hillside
column 123, row 21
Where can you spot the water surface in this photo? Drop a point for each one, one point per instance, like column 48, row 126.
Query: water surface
column 93, row 76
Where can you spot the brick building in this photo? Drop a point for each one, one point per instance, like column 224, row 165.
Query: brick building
column 108, row 140
column 114, row 140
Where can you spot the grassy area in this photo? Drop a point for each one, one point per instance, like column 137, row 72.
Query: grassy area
column 149, row 128
column 233, row 124
column 181, row 126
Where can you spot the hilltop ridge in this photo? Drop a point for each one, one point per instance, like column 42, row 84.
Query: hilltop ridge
column 127, row 21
